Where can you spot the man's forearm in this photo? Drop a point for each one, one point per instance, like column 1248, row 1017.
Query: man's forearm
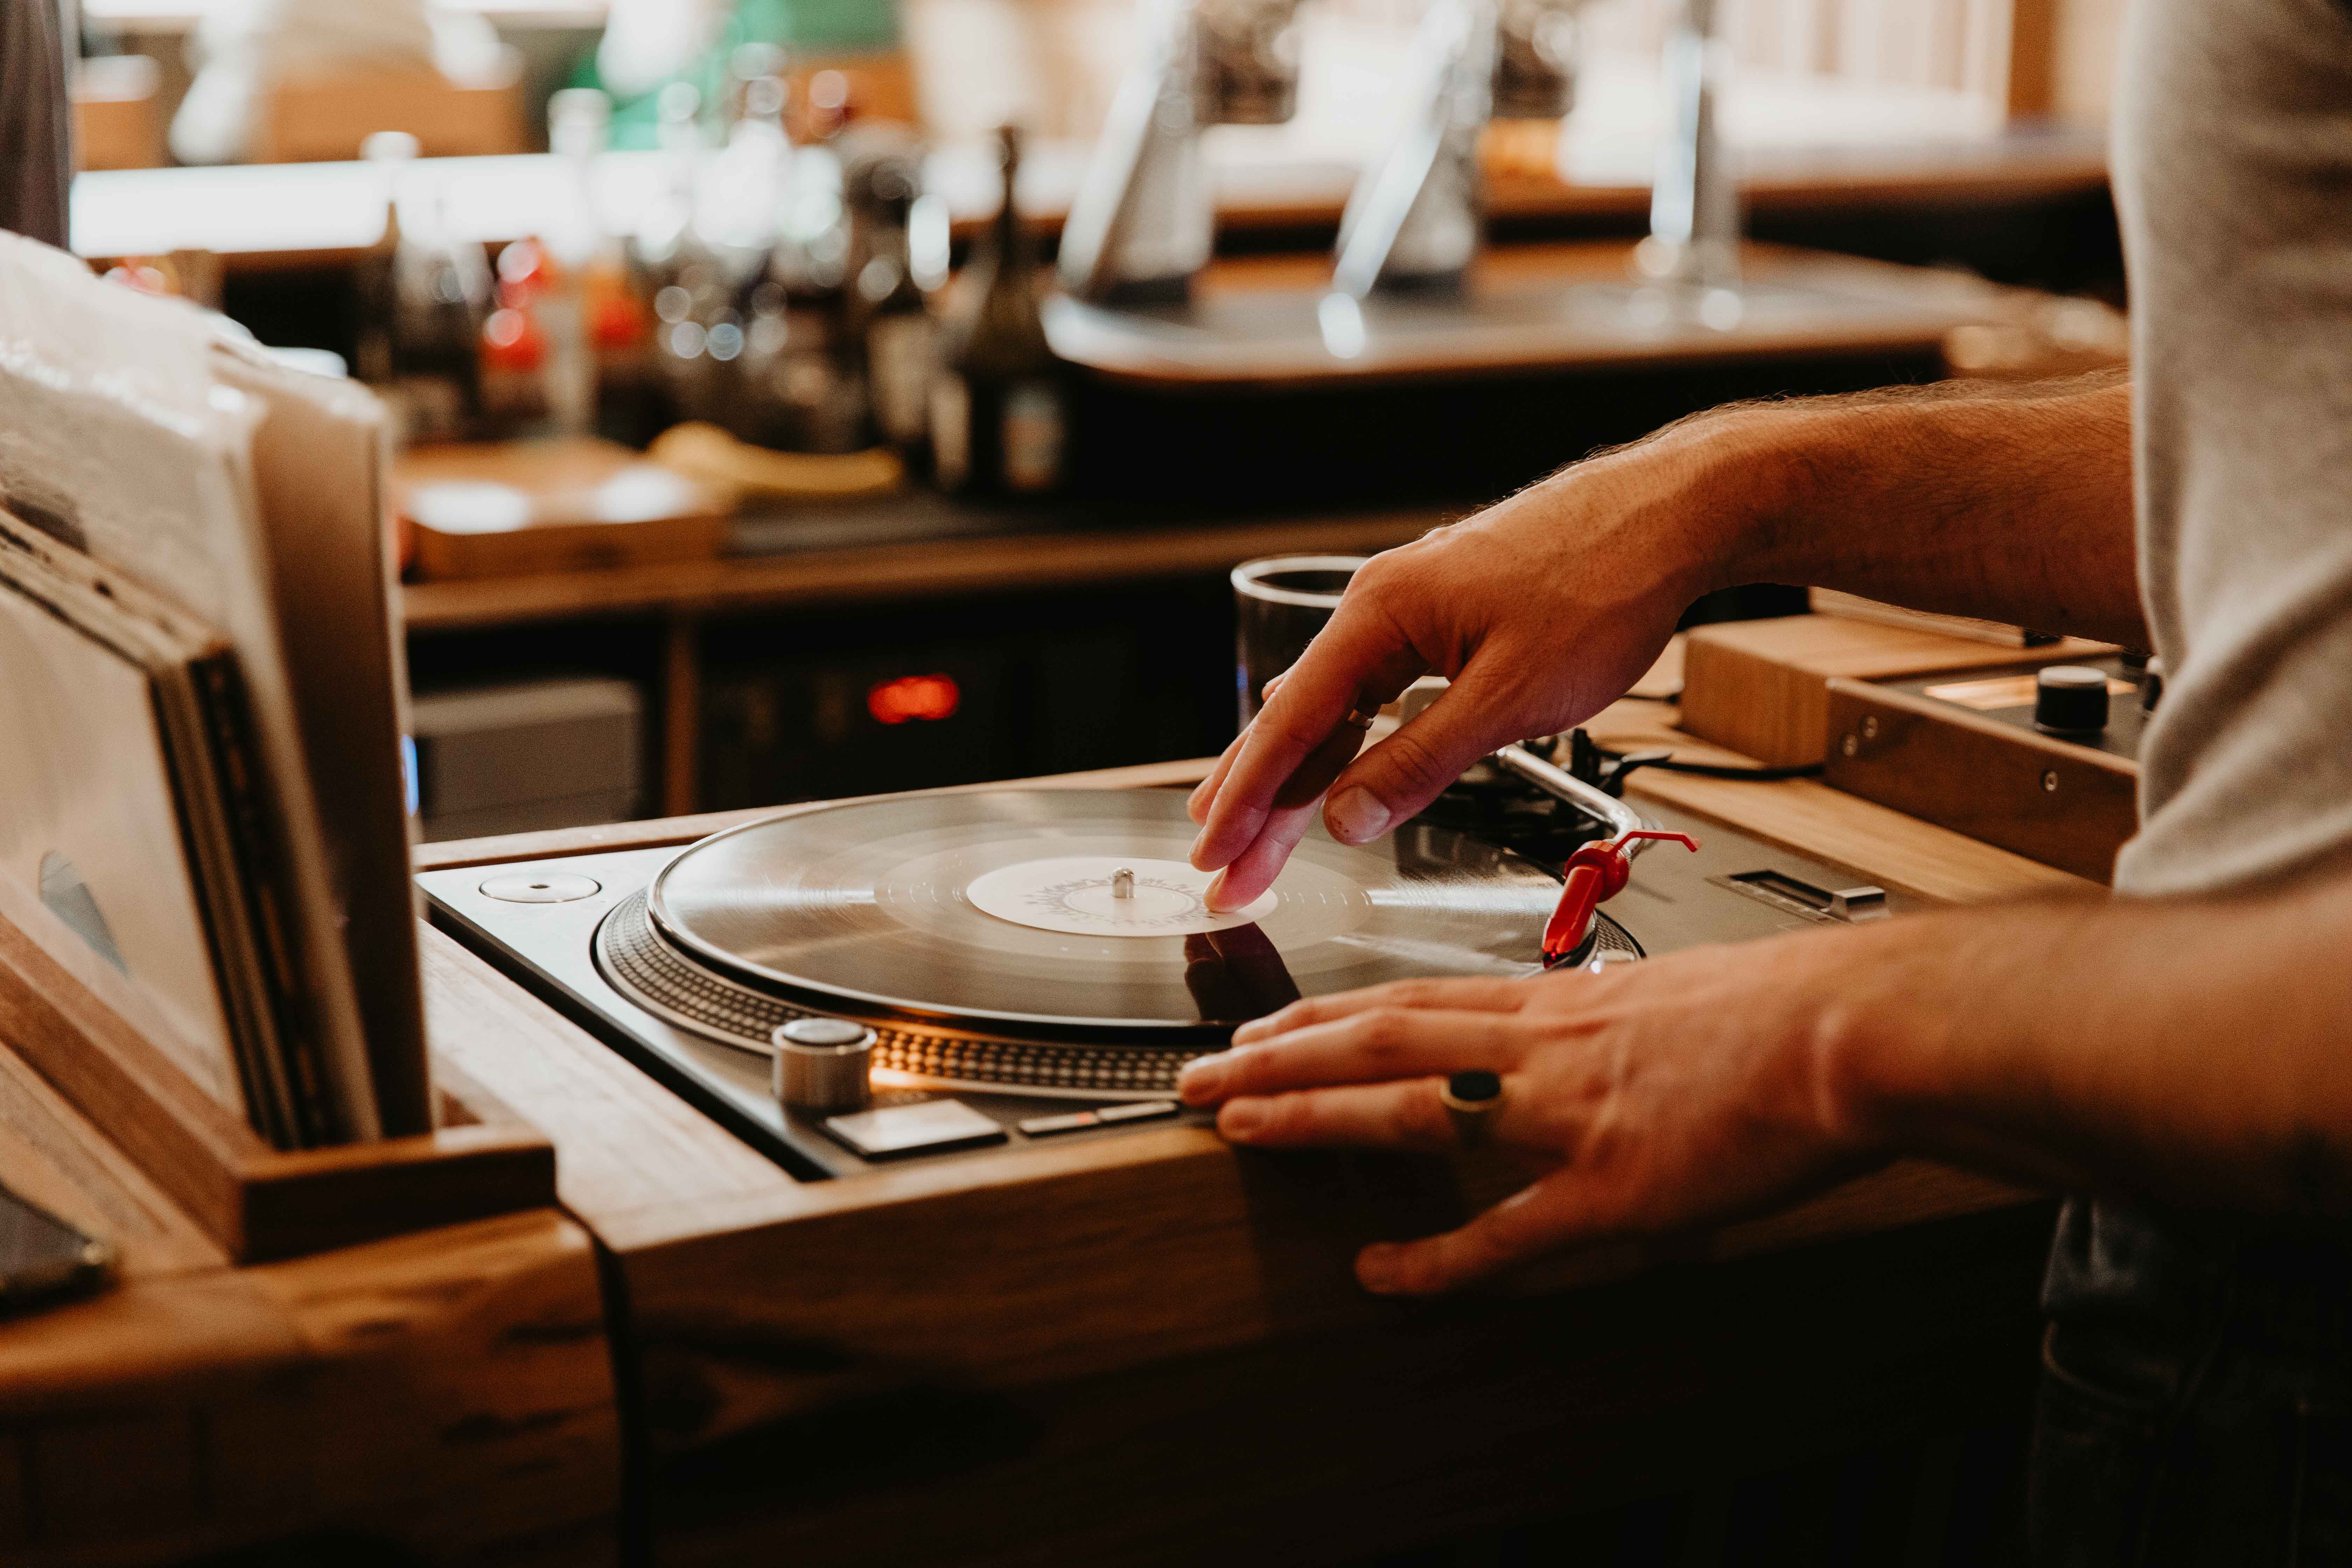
column 2010, row 503
column 2196, row 1053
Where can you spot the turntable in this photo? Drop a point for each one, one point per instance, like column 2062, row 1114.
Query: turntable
column 1045, row 957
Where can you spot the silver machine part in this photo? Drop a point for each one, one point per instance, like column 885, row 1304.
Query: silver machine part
column 1560, row 785
column 823, row 1066
column 1416, row 218
column 1145, row 218
column 1526, row 765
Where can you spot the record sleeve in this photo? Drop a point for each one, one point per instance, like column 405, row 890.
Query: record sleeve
column 97, row 867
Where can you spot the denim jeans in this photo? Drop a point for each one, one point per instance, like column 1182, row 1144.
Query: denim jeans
column 2195, row 1407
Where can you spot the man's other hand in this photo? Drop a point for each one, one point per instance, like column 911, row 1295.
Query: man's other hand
column 1676, row 1093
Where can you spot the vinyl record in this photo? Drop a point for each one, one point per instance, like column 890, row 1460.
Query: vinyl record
column 1005, row 912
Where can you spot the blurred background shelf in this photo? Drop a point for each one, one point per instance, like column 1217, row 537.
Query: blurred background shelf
column 262, row 216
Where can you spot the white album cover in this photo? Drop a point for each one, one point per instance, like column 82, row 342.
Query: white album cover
column 89, row 847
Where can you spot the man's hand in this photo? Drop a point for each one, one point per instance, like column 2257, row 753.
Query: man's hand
column 2187, row 1052
column 2009, row 503
column 1541, row 610
column 1679, row 1093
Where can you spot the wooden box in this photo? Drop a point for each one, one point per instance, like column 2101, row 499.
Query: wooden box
column 2050, row 800
column 1761, row 688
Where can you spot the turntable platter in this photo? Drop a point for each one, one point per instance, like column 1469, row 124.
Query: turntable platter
column 998, row 912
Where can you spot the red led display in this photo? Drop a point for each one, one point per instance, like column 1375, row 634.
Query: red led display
column 928, row 697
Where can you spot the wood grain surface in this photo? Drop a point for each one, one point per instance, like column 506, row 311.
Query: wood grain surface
column 1404, row 1430
column 256, row 1202
column 448, row 1395
column 586, row 504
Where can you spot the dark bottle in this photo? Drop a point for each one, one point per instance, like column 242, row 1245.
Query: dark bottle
column 998, row 421
column 815, row 380
column 424, row 295
column 890, row 312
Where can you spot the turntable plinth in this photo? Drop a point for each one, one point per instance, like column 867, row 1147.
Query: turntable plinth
column 1150, row 1348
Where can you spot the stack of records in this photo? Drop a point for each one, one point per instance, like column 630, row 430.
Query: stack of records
column 201, row 815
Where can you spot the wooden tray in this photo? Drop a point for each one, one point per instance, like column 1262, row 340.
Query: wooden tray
column 260, row 1202
column 512, row 507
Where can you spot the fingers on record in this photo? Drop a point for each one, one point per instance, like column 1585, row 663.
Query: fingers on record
column 1380, row 1044
column 1472, row 995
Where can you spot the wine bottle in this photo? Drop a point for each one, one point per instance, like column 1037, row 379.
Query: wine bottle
column 890, row 314
column 999, row 426
column 423, row 298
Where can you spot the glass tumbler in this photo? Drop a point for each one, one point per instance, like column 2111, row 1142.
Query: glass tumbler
column 1279, row 604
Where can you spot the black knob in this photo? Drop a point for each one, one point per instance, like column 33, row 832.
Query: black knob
column 2070, row 699
column 2151, row 686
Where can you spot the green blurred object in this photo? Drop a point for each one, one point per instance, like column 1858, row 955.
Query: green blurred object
column 805, row 27
column 820, row 26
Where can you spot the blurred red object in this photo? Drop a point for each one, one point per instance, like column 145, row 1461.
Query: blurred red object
column 926, row 697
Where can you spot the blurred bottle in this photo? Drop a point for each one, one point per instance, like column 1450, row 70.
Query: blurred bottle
column 890, row 310
column 740, row 210
column 591, row 320
column 667, row 237
column 422, row 296
column 679, row 271
column 722, row 313
column 998, row 422
column 513, row 348
column 830, row 107
column 810, row 372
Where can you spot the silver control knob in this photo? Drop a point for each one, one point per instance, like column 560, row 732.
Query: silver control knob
column 822, row 1066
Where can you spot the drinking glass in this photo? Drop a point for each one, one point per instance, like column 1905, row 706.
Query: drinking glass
column 1279, row 604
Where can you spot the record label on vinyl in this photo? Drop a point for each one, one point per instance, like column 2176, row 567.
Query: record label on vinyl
column 1105, row 895
column 1004, row 912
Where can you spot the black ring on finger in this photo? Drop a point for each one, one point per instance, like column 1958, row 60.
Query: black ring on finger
column 1470, row 1100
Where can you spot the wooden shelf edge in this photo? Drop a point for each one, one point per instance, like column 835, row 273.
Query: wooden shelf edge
column 316, row 1200
column 259, row 1203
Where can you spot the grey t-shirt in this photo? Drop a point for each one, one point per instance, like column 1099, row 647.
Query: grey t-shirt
column 2233, row 179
